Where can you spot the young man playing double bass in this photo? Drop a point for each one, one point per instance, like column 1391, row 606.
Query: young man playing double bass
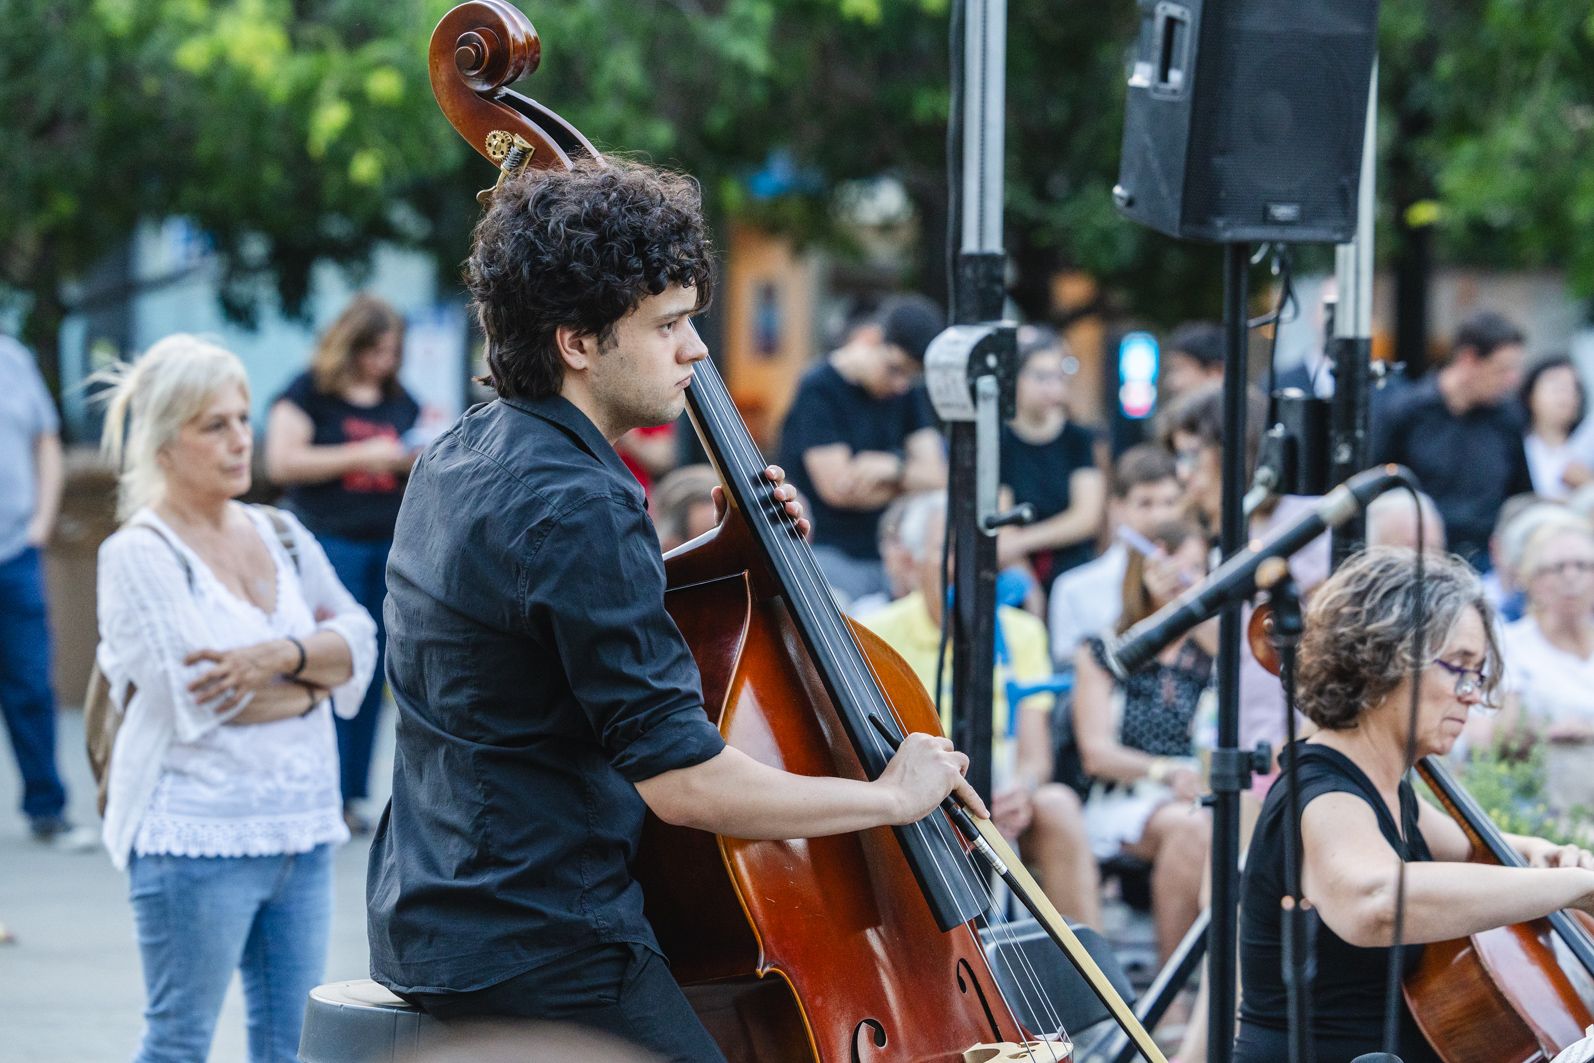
column 546, row 700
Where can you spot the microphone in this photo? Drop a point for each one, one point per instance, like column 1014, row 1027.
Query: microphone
column 1238, row 577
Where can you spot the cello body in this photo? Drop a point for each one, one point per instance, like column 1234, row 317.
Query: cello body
column 809, row 949
column 1517, row 994
column 1506, row 994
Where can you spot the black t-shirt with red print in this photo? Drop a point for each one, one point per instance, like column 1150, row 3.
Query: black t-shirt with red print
column 360, row 504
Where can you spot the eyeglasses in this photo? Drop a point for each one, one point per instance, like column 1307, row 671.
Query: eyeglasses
column 1563, row 569
column 1470, row 682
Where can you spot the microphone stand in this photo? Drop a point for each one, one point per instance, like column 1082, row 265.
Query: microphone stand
column 1298, row 920
column 1350, row 350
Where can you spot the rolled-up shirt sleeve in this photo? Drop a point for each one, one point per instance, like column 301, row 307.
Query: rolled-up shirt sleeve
column 598, row 594
column 336, row 610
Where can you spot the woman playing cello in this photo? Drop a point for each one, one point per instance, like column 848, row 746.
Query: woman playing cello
column 1357, row 662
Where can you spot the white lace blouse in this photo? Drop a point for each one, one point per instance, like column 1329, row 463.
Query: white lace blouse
column 180, row 782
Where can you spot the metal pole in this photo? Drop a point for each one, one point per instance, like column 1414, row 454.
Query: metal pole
column 1350, row 352
column 1231, row 767
column 978, row 295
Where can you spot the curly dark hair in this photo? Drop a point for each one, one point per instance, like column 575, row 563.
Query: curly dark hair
column 579, row 248
column 1360, row 636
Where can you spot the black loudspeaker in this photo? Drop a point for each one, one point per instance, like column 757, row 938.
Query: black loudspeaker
column 1245, row 119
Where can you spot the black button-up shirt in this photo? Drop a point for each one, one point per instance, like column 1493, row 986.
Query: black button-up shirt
column 1468, row 463
column 537, row 678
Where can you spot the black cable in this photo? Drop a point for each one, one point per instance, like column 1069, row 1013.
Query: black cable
column 954, row 146
column 954, row 170
column 1282, row 264
column 948, row 612
column 1392, row 1000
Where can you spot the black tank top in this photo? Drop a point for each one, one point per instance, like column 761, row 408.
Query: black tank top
column 1348, row 984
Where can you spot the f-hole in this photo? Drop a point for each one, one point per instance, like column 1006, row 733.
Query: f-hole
column 970, row 984
column 877, row 1033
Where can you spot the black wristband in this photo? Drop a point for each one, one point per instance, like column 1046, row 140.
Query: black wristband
column 314, row 699
column 298, row 668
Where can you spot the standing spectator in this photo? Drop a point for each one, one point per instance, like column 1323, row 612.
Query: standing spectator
column 1553, row 399
column 1043, row 816
column 1192, row 359
column 30, row 497
column 1088, row 600
column 224, row 637
column 1460, row 432
column 335, row 439
column 1135, row 739
column 859, row 434
column 1049, row 462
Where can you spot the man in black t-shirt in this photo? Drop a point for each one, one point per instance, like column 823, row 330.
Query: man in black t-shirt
column 1460, row 430
column 859, row 433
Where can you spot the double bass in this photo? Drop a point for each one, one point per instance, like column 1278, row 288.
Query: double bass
column 1513, row 994
column 844, row 949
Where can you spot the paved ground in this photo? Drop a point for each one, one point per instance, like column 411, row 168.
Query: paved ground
column 70, row 988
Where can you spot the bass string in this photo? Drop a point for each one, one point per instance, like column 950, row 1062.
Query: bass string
column 717, row 409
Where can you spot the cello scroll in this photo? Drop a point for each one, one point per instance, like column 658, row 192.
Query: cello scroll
column 478, row 50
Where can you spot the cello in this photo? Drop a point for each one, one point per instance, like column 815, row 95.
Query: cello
column 843, row 949
column 1513, row 994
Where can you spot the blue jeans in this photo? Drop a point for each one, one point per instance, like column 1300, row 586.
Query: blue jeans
column 200, row 918
column 361, row 565
column 26, row 693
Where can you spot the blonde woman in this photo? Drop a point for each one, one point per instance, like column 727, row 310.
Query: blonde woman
column 340, row 440
column 228, row 643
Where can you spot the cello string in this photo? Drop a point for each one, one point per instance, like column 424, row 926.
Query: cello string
column 804, row 558
column 713, row 407
column 715, row 400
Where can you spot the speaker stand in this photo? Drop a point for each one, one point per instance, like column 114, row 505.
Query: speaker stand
column 1231, row 766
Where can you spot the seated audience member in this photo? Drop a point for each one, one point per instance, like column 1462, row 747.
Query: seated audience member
column 1392, row 521
column 1049, row 462
column 650, row 453
column 1087, row 600
column 859, row 433
column 1549, row 657
column 1520, row 517
column 1552, row 397
column 1360, row 820
column 1134, row 739
column 897, row 562
column 1192, row 359
column 1193, row 430
column 1460, row 431
column 1044, row 816
column 683, row 505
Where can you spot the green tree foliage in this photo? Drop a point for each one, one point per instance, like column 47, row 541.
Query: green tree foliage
column 289, row 132
column 1490, row 103
column 298, row 131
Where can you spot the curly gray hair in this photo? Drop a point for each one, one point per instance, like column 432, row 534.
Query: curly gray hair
column 1361, row 630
